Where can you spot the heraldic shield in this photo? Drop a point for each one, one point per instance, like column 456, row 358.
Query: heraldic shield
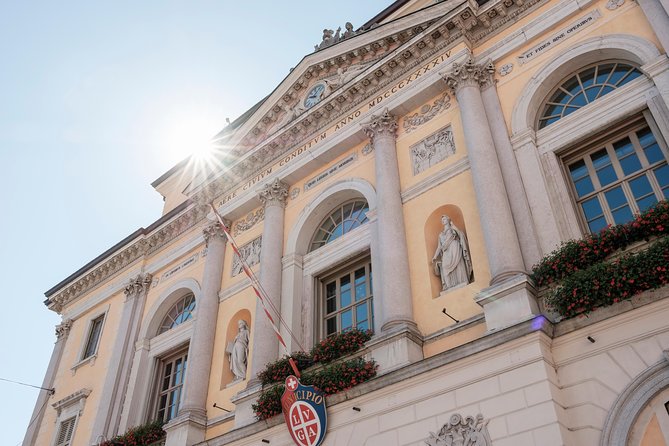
column 304, row 410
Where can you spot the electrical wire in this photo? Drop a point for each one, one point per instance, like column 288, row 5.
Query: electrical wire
column 24, row 384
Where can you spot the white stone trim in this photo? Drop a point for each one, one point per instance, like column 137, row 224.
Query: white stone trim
column 631, row 402
column 167, row 298
column 613, row 46
column 434, row 180
column 91, row 359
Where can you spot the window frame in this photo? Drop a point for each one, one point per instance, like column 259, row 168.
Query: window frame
column 81, row 358
column 180, row 352
column 335, row 274
column 605, row 140
column 173, row 306
column 339, row 208
column 61, row 425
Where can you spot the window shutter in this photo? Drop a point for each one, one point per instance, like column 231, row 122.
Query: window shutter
column 65, row 432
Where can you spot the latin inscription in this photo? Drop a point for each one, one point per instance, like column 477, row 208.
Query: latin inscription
column 560, row 36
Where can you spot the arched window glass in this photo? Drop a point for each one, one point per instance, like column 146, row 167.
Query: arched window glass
column 345, row 218
column 178, row 314
column 585, row 87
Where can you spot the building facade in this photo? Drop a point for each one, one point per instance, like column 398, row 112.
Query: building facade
column 404, row 178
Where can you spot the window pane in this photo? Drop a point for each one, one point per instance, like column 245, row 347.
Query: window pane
column 605, row 171
column 662, row 176
column 345, row 299
column 331, row 305
column 331, row 326
column 346, row 320
column 578, row 100
column 615, row 198
column 581, row 178
column 592, row 209
column 627, row 157
column 650, row 146
column 587, row 77
column 360, row 284
column 603, row 72
column 361, row 314
column 643, row 192
column 597, row 224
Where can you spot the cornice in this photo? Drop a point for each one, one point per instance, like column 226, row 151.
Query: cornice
column 145, row 244
column 394, row 55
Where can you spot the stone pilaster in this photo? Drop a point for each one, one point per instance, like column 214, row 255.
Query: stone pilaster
column 188, row 427
column 265, row 345
column 505, row 302
column 118, row 371
column 62, row 333
column 499, row 231
column 658, row 17
column 394, row 289
column 520, row 208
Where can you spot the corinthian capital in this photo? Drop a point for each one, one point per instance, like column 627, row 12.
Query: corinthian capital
column 469, row 74
column 138, row 285
column 63, row 329
column 212, row 231
column 383, row 124
column 275, row 193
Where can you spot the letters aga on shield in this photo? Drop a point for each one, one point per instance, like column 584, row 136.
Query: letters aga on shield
column 304, row 411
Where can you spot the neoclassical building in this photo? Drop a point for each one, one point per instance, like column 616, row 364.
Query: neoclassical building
column 403, row 178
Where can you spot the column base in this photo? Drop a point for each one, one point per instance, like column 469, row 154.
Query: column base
column 397, row 346
column 508, row 302
column 244, row 414
column 187, row 429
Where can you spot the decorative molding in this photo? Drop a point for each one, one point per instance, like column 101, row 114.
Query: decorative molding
column 432, row 150
column 383, row 124
column 78, row 397
column 274, row 194
column 181, row 266
column 426, row 113
column 250, row 252
column 252, row 219
column 138, row 285
column 234, row 289
column 367, row 149
column 294, row 193
column 462, row 431
column 213, row 230
column 434, row 180
column 469, row 74
column 63, row 329
column 614, row 4
column 505, row 69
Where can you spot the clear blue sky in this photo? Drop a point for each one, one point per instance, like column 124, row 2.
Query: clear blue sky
column 97, row 100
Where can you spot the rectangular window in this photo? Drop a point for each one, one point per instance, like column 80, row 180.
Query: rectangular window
column 347, row 300
column 65, row 432
column 93, row 337
column 620, row 176
column 172, row 372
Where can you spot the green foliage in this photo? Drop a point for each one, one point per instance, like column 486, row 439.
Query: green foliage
column 278, row 371
column 577, row 255
column 339, row 345
column 606, row 283
column 143, row 435
column 331, row 379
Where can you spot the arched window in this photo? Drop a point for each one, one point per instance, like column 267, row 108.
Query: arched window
column 348, row 216
column 584, row 87
column 178, row 314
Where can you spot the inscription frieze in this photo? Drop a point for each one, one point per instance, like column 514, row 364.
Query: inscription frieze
column 432, row 150
column 322, row 176
column 250, row 252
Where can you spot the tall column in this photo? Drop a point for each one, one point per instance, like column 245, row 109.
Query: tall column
column 499, row 231
column 265, row 345
column 62, row 332
column 520, row 208
column 394, row 289
column 658, row 17
column 189, row 426
column 118, row 370
column 511, row 297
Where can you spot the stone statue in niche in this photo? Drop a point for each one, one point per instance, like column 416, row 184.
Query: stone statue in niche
column 238, row 351
column 451, row 261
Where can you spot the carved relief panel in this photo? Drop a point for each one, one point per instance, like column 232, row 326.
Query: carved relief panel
column 250, row 252
column 432, row 150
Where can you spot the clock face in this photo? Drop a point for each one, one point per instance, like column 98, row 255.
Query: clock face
column 314, row 95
